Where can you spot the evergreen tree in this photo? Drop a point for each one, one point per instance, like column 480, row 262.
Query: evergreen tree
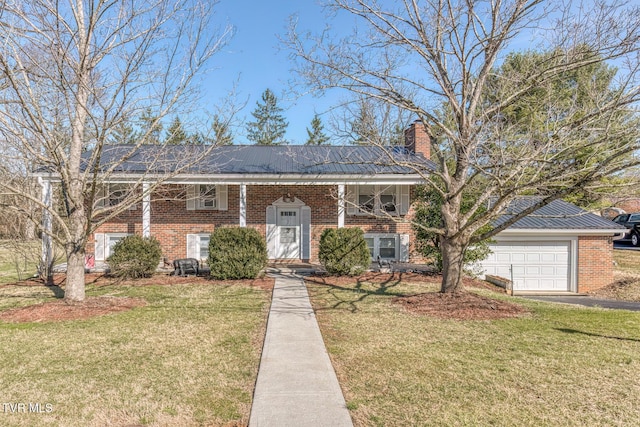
column 270, row 126
column 316, row 133
column 150, row 127
column 123, row 133
column 221, row 132
column 176, row 133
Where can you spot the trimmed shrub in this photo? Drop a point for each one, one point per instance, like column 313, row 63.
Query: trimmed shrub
column 236, row 253
column 343, row 251
column 135, row 257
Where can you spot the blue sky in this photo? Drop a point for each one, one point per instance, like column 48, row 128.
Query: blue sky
column 255, row 61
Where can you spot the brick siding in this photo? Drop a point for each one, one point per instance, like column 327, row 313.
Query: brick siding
column 595, row 262
column 171, row 221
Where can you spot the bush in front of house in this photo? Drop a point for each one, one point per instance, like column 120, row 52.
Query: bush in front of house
column 135, row 257
column 236, row 253
column 343, row 251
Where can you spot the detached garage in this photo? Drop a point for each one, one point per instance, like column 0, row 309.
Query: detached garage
column 560, row 248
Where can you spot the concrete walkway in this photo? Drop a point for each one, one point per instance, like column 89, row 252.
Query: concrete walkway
column 296, row 385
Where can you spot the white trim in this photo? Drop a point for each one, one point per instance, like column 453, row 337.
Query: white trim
column 46, row 256
column 341, row 205
column 270, row 179
column 243, row 205
column 146, row 210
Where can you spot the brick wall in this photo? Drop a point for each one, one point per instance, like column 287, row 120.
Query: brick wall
column 595, row 262
column 171, row 222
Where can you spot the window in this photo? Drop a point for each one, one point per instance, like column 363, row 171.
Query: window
column 387, row 246
column 117, row 193
column 114, row 194
column 378, row 199
column 367, row 198
column 207, row 196
column 198, row 246
column 371, row 245
column 203, row 242
column 388, row 201
column 104, row 243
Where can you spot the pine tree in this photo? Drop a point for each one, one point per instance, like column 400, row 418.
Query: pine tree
column 150, row 127
column 270, row 126
column 221, row 133
column 123, row 133
column 176, row 133
column 316, row 133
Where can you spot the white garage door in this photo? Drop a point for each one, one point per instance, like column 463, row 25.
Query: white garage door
column 534, row 266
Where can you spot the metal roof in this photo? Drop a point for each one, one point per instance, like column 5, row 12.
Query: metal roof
column 260, row 159
column 557, row 215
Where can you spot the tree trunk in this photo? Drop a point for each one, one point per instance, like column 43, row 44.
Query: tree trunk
column 452, row 264
column 75, row 285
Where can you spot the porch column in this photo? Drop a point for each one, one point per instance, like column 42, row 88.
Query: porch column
column 341, row 210
column 46, row 258
column 243, row 205
column 146, row 210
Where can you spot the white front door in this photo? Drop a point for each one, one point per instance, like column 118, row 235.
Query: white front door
column 288, row 234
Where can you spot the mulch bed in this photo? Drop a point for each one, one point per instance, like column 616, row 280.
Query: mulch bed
column 460, row 306
column 59, row 310
column 464, row 305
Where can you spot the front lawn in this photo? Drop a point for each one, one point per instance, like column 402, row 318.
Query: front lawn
column 626, row 285
column 558, row 365
column 188, row 357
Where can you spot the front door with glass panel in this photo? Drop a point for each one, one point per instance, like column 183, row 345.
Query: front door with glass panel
column 288, row 239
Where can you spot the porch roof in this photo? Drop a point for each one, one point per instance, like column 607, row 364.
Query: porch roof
column 249, row 163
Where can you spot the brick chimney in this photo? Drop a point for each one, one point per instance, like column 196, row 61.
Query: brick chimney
column 416, row 139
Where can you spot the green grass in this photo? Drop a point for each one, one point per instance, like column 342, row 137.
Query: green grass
column 19, row 259
column 188, row 358
column 560, row 365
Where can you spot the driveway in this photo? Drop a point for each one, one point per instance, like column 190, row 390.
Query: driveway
column 588, row 302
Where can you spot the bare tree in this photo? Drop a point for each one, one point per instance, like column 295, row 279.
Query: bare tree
column 73, row 73
column 441, row 62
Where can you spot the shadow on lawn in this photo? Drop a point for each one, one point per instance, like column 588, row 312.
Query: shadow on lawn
column 591, row 334
column 385, row 288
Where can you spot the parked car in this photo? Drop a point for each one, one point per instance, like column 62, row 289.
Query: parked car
column 632, row 222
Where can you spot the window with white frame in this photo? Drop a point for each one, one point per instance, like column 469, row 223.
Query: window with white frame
column 386, row 246
column 203, row 244
column 206, row 196
column 198, row 246
column 115, row 193
column 104, row 243
column 366, row 198
column 376, row 199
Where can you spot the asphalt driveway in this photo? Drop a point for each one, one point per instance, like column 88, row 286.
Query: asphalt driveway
column 588, row 302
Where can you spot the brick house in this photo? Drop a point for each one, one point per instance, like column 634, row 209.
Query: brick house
column 289, row 193
column 292, row 193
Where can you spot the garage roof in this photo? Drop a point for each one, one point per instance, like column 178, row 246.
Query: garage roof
column 557, row 215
